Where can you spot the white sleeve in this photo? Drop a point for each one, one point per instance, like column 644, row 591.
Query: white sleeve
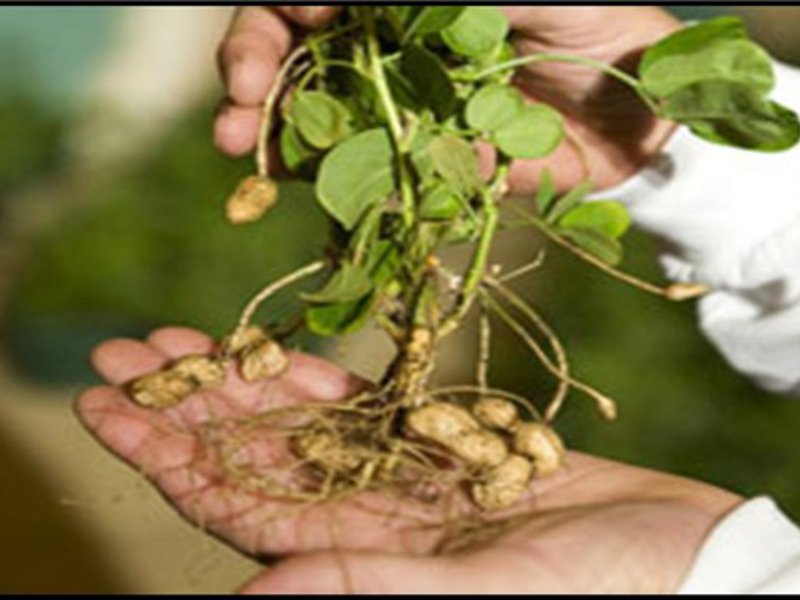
column 730, row 218
column 753, row 550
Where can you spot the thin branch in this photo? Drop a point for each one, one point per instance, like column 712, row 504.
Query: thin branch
column 262, row 152
column 605, row 405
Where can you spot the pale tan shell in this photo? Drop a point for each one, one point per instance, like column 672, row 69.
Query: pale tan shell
column 203, row 370
column 457, row 430
column 480, row 448
column 162, row 389
column 542, row 444
column 504, row 484
column 254, row 196
column 263, row 360
column 248, row 336
column 441, row 422
column 497, row 413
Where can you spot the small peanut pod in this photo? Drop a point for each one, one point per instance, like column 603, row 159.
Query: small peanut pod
column 263, row 360
column 504, row 484
column 457, row 430
column 254, row 196
column 542, row 444
column 162, row 389
column 496, row 413
column 239, row 340
column 325, row 450
column 204, row 371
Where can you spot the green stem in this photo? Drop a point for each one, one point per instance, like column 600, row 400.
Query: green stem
column 479, row 259
column 545, row 229
column 393, row 116
column 610, row 70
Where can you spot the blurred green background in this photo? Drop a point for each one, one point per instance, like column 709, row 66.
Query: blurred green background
column 103, row 241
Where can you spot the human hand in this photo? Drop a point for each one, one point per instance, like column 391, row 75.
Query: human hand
column 597, row 526
column 617, row 134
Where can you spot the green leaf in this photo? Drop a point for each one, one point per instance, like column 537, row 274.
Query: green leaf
column 534, row 133
column 295, row 153
column 340, row 318
column 356, row 174
column 429, row 80
column 433, row 19
column 420, row 157
column 456, row 161
column 604, row 216
column 440, row 203
column 568, row 201
column 466, row 229
column 692, row 39
column 383, row 262
column 493, row 106
column 477, row 31
column 402, row 89
column 348, row 283
column 733, row 61
column 546, row 192
column 321, row 119
column 734, row 115
column 599, row 245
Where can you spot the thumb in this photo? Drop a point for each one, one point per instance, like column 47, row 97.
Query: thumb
column 360, row 573
column 310, row 16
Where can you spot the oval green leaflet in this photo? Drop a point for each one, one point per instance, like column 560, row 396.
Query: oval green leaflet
column 599, row 245
column 320, row 118
column 535, row 132
column 355, row 175
column 339, row 318
column 295, row 153
column 603, row 216
column 734, row 115
column 456, row 161
column 429, row 80
column 347, row 284
column 433, row 19
column 478, row 30
column 440, row 202
column 493, row 106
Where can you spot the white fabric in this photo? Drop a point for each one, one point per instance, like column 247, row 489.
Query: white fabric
column 754, row 550
column 730, row 218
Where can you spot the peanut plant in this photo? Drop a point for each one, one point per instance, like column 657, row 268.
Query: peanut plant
column 382, row 110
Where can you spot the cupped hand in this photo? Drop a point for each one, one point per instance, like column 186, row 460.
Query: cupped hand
column 615, row 132
column 597, row 526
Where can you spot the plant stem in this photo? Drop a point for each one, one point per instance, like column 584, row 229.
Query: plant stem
column 669, row 292
column 258, row 299
column 605, row 405
column 610, row 70
column 555, row 344
column 262, row 152
column 395, row 124
column 481, row 255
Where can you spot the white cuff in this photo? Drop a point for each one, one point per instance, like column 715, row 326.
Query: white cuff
column 730, row 219
column 754, row 550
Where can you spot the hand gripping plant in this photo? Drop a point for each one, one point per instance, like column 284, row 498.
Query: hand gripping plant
column 382, row 110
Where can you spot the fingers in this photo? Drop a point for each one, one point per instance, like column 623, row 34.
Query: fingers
column 121, row 360
column 321, row 380
column 175, row 342
column 310, row 17
column 361, row 573
column 249, row 58
column 136, row 435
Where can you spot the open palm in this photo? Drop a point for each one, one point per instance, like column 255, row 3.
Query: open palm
column 597, row 526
